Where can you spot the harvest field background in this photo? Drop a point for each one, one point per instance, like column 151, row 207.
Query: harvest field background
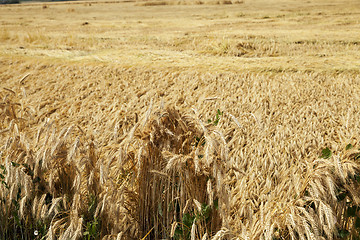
column 180, row 120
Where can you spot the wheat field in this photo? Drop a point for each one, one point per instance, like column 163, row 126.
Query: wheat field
column 180, row 120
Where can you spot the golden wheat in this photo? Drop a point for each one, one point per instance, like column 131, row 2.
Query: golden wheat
column 165, row 137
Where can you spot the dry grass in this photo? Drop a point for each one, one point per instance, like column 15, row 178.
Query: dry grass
column 111, row 134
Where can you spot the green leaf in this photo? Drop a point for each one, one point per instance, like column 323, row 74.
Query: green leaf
column 349, row 146
column 93, row 229
column 188, row 220
column 343, row 233
column 357, row 178
column 16, row 217
column 205, row 211
column 92, row 204
column 2, row 167
column 216, row 204
column 2, row 176
column 178, row 233
column 160, row 211
column 209, row 120
column 326, row 153
column 86, row 233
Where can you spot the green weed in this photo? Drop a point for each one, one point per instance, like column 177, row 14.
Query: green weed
column 216, row 120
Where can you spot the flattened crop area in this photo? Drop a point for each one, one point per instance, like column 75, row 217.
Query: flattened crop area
column 194, row 120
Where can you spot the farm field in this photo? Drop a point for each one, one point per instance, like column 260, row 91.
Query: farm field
column 180, row 120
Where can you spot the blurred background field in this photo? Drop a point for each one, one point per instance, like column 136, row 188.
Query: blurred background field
column 257, row 35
